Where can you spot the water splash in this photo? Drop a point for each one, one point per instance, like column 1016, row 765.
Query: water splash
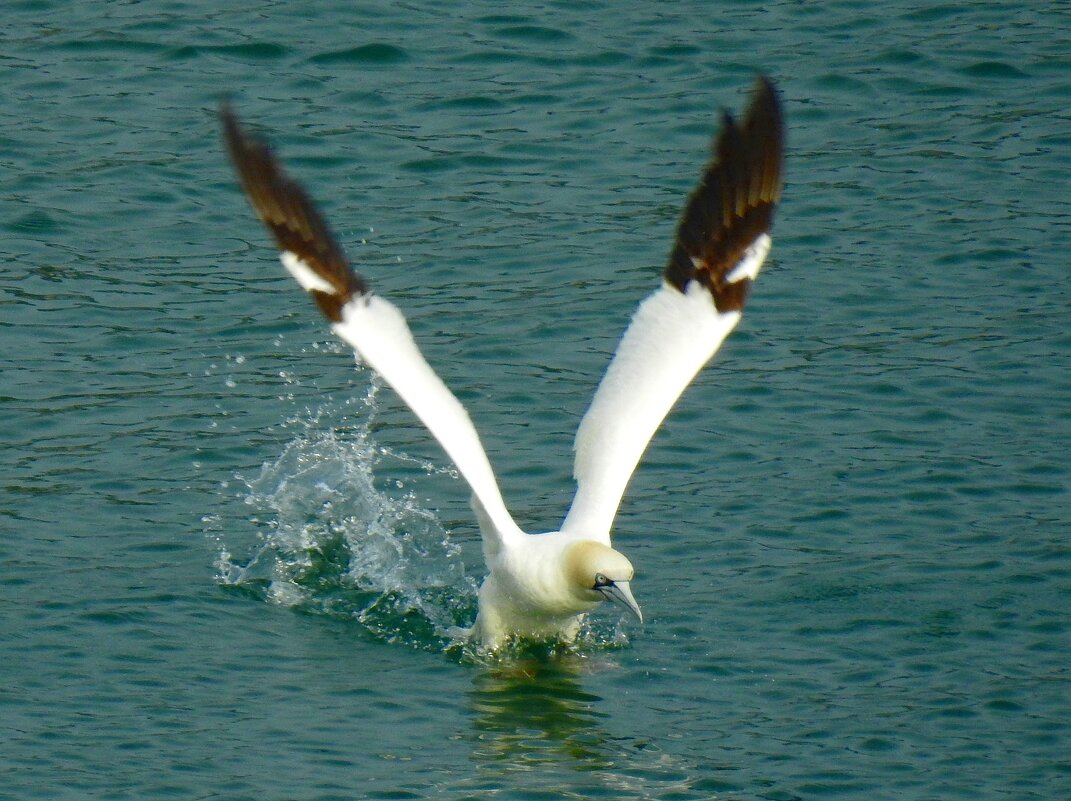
column 332, row 542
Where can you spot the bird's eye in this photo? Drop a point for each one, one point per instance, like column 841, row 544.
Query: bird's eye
column 601, row 581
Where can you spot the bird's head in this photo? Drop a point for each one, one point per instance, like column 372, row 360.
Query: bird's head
column 596, row 572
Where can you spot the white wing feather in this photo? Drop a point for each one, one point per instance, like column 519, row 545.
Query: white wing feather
column 671, row 336
column 722, row 241
column 377, row 330
column 721, row 245
column 373, row 326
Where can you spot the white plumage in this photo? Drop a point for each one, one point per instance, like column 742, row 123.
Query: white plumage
column 542, row 585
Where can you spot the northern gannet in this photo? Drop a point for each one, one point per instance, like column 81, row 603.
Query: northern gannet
column 542, row 585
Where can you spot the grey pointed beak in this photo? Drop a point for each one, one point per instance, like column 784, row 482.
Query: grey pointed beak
column 620, row 593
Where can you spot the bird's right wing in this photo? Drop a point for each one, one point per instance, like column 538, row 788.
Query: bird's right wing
column 722, row 241
column 372, row 325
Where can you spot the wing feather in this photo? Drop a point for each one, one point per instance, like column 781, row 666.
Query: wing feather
column 722, row 241
column 375, row 328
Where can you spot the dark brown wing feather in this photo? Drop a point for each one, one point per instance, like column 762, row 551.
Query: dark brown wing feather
column 734, row 202
column 291, row 216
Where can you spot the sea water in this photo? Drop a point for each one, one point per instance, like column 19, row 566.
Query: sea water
column 232, row 564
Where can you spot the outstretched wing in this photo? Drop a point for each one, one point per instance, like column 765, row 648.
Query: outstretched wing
column 373, row 326
column 722, row 240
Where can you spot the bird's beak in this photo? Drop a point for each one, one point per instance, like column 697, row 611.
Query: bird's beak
column 620, row 594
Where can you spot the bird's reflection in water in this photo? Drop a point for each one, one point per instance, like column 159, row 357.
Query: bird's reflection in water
column 536, row 727
column 533, row 710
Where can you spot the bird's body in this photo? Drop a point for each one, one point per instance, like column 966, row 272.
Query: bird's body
column 527, row 594
column 540, row 586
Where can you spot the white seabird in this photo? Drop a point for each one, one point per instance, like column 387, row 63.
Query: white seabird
column 542, row 585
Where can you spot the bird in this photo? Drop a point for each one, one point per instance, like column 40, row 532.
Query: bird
column 541, row 586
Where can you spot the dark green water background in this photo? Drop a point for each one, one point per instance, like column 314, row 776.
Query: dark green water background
column 227, row 562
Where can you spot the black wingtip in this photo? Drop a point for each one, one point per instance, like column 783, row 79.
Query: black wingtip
column 735, row 201
column 290, row 215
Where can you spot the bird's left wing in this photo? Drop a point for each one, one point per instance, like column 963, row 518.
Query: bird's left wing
column 722, row 240
column 372, row 325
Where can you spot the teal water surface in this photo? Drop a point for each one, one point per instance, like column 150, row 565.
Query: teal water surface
column 229, row 560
